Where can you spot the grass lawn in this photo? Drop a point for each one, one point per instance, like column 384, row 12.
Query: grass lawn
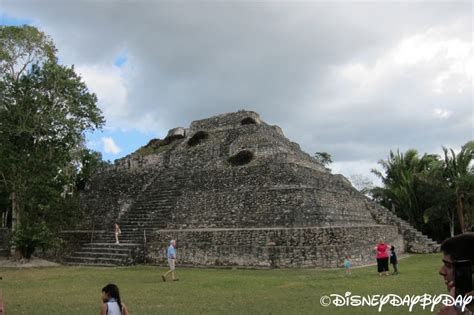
column 76, row 290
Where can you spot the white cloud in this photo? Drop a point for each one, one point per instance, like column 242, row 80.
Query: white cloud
column 356, row 86
column 356, row 168
column 110, row 146
column 93, row 144
column 109, row 84
column 441, row 113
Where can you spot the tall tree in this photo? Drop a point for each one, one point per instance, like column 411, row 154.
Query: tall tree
column 21, row 47
column 45, row 109
column 401, row 184
column 323, row 158
column 459, row 178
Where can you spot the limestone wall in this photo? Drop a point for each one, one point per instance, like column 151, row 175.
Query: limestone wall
column 111, row 194
column 294, row 247
column 223, row 121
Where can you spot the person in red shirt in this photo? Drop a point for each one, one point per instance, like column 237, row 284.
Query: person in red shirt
column 382, row 257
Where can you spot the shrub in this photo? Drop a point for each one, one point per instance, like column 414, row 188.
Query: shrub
column 241, row 158
column 170, row 139
column 198, row 137
column 28, row 237
column 248, row 121
column 158, row 145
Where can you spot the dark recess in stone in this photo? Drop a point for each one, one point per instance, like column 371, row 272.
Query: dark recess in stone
column 170, row 139
column 248, row 121
column 241, row 158
column 198, row 137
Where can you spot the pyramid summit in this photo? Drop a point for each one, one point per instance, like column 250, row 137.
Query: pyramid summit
column 232, row 190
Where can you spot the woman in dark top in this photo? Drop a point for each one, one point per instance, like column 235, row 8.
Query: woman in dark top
column 393, row 259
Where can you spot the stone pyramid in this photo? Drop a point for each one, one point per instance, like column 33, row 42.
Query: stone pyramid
column 234, row 191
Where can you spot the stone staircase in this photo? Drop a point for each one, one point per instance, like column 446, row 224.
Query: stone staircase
column 416, row 242
column 151, row 211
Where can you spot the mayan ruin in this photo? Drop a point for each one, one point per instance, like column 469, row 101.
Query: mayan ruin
column 234, row 191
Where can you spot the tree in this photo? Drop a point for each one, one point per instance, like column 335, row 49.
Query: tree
column 431, row 192
column 459, row 178
column 90, row 161
column 401, row 184
column 362, row 183
column 323, row 158
column 21, row 47
column 45, row 109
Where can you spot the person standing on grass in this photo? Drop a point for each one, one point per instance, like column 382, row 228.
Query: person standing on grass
column 171, row 254
column 393, row 260
column 117, row 233
column 382, row 257
column 112, row 303
column 347, row 265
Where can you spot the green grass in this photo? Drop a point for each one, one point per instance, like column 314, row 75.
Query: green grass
column 76, row 290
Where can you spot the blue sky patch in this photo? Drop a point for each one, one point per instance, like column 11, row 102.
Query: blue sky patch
column 8, row 20
column 121, row 60
column 128, row 141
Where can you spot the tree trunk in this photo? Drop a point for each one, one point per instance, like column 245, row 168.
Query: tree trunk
column 451, row 223
column 15, row 212
column 460, row 211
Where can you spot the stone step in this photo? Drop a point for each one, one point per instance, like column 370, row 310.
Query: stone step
column 99, row 253
column 131, row 239
column 151, row 216
column 97, row 260
column 159, row 196
column 154, row 211
column 134, row 228
column 141, row 223
column 121, row 251
column 152, row 220
column 137, row 223
column 112, row 245
column 145, row 208
column 85, row 264
column 140, row 208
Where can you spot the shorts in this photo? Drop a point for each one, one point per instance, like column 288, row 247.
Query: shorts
column 382, row 264
column 171, row 263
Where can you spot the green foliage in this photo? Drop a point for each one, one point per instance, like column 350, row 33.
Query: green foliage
column 197, row 138
column 45, row 109
column 90, row 162
column 21, row 47
column 171, row 139
column 323, row 158
column 29, row 236
column 241, row 158
column 155, row 146
column 431, row 192
column 400, row 184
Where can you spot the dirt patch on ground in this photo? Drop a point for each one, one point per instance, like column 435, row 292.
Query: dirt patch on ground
column 25, row 263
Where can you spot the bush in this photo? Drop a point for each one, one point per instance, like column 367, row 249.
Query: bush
column 170, row 139
column 198, row 137
column 28, row 237
column 248, row 121
column 241, row 158
column 158, row 145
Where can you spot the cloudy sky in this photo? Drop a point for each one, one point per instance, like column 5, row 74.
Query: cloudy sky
column 355, row 79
